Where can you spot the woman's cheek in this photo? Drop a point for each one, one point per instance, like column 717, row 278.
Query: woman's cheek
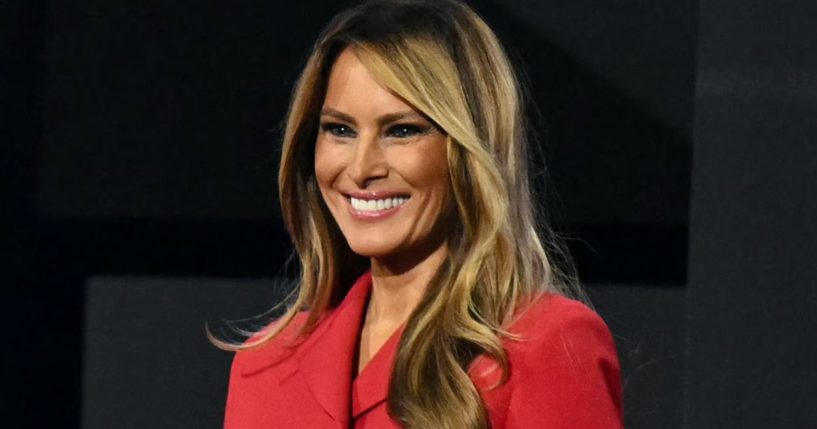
column 327, row 162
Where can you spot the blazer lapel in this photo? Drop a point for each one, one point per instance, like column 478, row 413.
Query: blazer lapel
column 326, row 363
column 372, row 384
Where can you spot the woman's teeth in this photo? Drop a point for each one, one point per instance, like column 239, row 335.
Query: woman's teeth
column 376, row 205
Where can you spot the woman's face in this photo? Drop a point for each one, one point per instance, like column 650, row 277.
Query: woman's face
column 381, row 166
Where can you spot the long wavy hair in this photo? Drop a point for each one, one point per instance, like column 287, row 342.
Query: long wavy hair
column 444, row 60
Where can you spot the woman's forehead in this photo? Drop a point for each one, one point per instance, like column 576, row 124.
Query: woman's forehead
column 352, row 89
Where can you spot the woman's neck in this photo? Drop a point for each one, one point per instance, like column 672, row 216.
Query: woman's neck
column 397, row 289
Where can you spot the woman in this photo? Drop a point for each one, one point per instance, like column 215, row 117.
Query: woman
column 426, row 298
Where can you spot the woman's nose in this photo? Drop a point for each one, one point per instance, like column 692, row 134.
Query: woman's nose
column 368, row 161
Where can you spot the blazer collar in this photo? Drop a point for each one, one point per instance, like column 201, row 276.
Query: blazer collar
column 326, row 361
column 326, row 357
column 287, row 347
column 371, row 387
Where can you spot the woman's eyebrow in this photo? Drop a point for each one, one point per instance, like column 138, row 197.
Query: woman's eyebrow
column 328, row 111
column 397, row 116
column 381, row 121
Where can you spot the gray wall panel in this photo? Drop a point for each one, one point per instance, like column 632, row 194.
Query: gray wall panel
column 753, row 229
column 147, row 362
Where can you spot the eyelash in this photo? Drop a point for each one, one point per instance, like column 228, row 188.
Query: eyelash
column 335, row 129
column 412, row 130
column 399, row 131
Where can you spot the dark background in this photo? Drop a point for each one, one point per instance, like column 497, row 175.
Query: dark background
column 139, row 148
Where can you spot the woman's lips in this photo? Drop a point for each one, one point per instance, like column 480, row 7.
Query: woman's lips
column 375, row 195
column 373, row 206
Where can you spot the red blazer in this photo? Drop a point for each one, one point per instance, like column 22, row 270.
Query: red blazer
column 565, row 374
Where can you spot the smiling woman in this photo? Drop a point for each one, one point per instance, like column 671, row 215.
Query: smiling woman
column 428, row 297
column 374, row 150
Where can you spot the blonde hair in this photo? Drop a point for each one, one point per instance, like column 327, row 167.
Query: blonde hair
column 444, row 60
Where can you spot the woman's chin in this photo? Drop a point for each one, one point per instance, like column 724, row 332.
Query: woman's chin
column 373, row 250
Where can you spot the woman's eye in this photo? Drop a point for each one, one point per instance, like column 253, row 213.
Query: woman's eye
column 337, row 130
column 405, row 130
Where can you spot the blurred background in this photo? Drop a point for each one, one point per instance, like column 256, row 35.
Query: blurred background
column 140, row 143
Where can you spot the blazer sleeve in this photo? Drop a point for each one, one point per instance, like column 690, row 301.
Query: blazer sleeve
column 244, row 407
column 569, row 375
column 233, row 412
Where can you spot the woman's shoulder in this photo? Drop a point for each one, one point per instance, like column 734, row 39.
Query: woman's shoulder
column 563, row 368
column 552, row 310
column 560, row 329
column 262, row 353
